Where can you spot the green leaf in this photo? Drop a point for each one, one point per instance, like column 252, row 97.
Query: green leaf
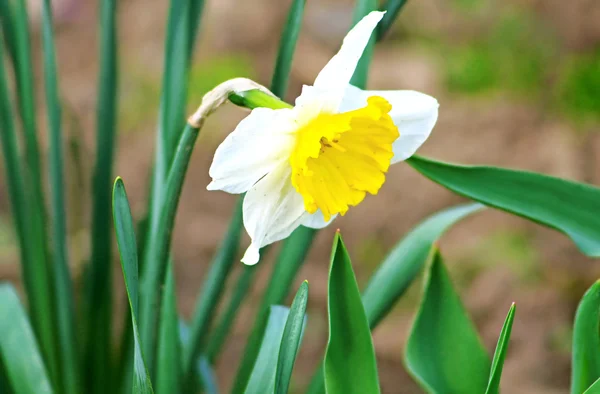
column 500, row 353
column 350, row 365
column 99, row 305
column 37, row 267
column 207, row 375
column 586, row 341
column 124, row 229
column 63, row 286
column 594, row 388
column 157, row 252
column 566, row 206
column 289, row 261
column 361, row 73
column 443, row 352
column 255, row 98
column 262, row 379
column 168, row 366
column 287, row 47
column 392, row 8
column 18, row 347
column 402, row 265
column 290, row 342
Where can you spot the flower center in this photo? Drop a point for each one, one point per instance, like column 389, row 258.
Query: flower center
column 338, row 158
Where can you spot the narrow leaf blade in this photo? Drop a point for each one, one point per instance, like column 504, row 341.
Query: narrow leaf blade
column 168, row 361
column 566, row 206
column 126, row 241
column 500, row 353
column 350, row 365
column 443, row 352
column 586, row 341
column 292, row 337
column 262, row 379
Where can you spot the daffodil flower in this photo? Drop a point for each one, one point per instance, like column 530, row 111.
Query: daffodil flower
column 307, row 164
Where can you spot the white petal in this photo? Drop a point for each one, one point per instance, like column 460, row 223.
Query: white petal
column 272, row 210
column 316, row 220
column 413, row 113
column 337, row 73
column 257, row 145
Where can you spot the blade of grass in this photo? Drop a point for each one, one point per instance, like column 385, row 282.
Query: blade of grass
column 350, row 364
column 168, row 371
column 99, row 306
column 500, row 353
column 444, row 352
column 195, row 13
column 160, row 242
column 290, row 342
column 392, row 8
column 223, row 327
column 42, row 310
column 566, row 206
column 212, row 289
column 207, row 375
column 63, row 287
column 129, row 263
column 18, row 347
column 586, row 341
column 289, row 261
column 262, row 378
column 6, row 23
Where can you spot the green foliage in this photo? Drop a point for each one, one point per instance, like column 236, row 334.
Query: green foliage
column 500, row 353
column 350, row 365
column 586, row 341
column 443, row 351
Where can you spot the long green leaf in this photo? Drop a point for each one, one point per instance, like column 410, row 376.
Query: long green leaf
column 63, row 287
column 40, row 303
column 443, row 352
column 18, row 347
column 566, row 206
column 262, row 378
column 350, row 365
column 195, row 13
column 99, row 306
column 124, row 230
column 586, row 341
column 212, row 289
column 290, row 342
column 288, row 264
column 160, row 241
column 361, row 73
column 402, row 265
column 168, row 370
column 500, row 353
column 287, row 47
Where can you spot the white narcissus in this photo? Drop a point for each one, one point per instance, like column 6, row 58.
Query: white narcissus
column 304, row 165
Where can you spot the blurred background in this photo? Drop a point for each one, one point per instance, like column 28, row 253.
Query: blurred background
column 518, row 83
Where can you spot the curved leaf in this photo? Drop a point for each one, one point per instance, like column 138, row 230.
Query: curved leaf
column 566, row 206
column 586, row 341
column 501, row 349
column 290, row 342
column 262, row 379
column 129, row 262
column 406, row 260
column 443, row 352
column 594, row 388
column 350, row 365
column 19, row 350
